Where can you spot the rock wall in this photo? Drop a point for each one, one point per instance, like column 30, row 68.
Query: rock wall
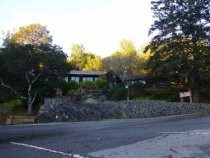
column 61, row 109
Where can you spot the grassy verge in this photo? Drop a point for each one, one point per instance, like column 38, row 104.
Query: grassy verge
column 171, row 94
column 13, row 107
column 141, row 98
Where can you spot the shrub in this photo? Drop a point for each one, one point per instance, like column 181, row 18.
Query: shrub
column 137, row 89
column 140, row 98
column 73, row 85
column 51, row 85
column 164, row 94
column 101, row 83
column 116, row 93
column 88, row 85
column 13, row 103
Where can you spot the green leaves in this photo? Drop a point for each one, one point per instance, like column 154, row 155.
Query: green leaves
column 85, row 61
column 93, row 62
column 33, row 34
column 29, row 60
column 126, row 59
column 182, row 36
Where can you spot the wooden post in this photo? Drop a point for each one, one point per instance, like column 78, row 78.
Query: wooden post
column 9, row 120
column 190, row 97
column 181, row 99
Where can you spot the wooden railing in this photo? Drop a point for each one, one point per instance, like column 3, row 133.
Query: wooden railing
column 13, row 119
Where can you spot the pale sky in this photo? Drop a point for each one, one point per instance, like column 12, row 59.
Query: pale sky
column 99, row 25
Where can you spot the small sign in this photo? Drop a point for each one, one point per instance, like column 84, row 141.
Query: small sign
column 185, row 94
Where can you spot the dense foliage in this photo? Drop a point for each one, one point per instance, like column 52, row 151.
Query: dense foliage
column 181, row 43
column 27, row 67
column 84, row 61
column 126, row 59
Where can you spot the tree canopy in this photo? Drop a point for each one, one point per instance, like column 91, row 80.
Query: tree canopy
column 127, row 58
column 93, row 62
column 84, row 61
column 181, row 42
column 26, row 66
column 33, row 34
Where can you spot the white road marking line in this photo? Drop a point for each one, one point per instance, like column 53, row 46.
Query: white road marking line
column 198, row 133
column 49, row 150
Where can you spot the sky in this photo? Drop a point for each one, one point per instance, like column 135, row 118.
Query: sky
column 99, row 25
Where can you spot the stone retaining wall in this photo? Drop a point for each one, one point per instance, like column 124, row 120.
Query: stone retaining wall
column 61, row 109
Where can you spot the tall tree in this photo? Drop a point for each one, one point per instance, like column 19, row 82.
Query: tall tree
column 77, row 57
column 180, row 45
column 126, row 59
column 24, row 65
column 28, row 56
column 33, row 34
column 93, row 62
column 84, row 61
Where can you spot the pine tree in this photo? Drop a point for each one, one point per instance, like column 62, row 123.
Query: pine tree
column 181, row 44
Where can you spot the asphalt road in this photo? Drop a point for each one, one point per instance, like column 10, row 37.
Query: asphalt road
column 77, row 139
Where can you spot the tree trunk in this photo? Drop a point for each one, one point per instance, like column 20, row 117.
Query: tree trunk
column 196, row 92
column 30, row 100
column 29, row 107
column 128, row 93
column 196, row 77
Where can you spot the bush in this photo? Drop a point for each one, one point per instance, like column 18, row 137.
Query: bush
column 164, row 94
column 137, row 90
column 120, row 92
column 141, row 98
column 88, row 85
column 48, row 88
column 101, row 83
column 73, row 85
column 13, row 103
column 116, row 93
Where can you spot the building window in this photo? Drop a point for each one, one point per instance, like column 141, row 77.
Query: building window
column 75, row 78
column 87, row 79
column 96, row 78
